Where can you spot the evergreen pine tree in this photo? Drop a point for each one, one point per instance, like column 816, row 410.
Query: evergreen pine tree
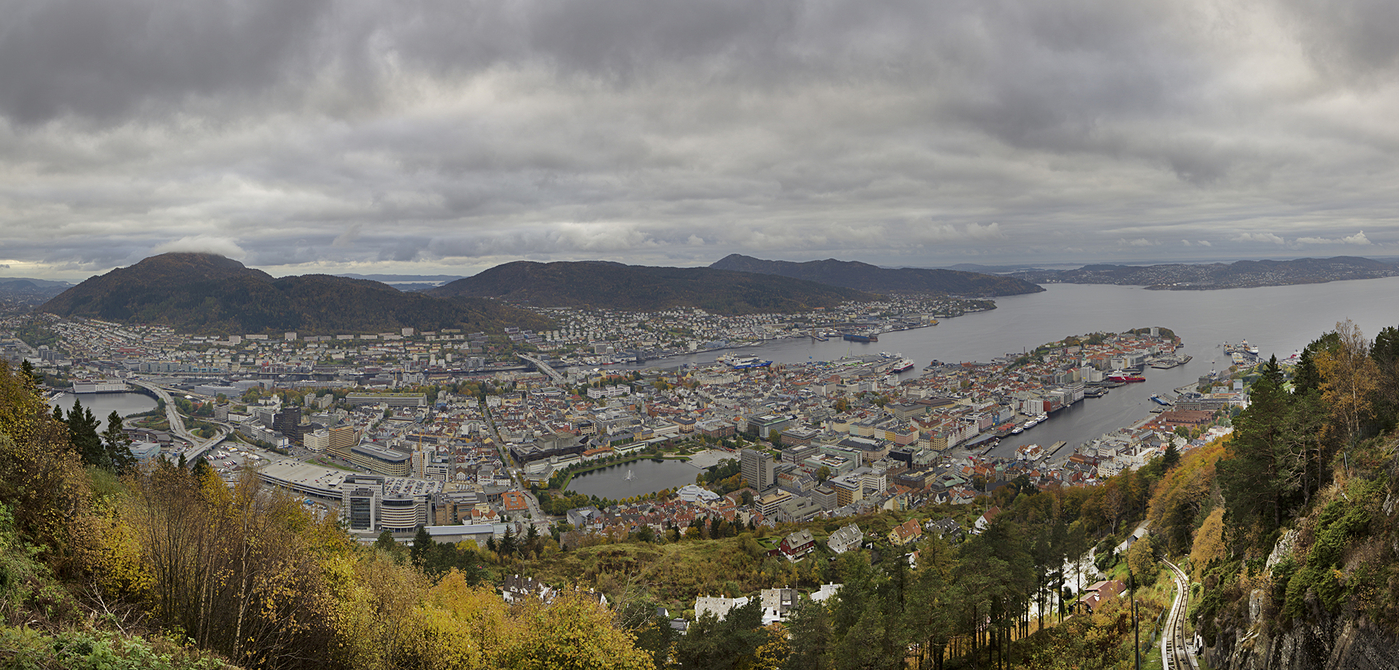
column 82, row 431
column 1171, row 457
column 118, row 446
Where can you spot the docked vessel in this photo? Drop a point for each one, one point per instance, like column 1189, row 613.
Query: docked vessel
column 746, row 362
column 1240, row 348
column 903, row 365
column 1125, row 377
column 99, row 386
column 1159, row 400
column 858, row 337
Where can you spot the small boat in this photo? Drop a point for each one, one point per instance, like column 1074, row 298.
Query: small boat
column 1017, row 430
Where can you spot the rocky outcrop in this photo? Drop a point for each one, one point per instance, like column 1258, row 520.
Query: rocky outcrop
column 1324, row 642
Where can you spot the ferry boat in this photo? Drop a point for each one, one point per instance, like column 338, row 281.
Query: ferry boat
column 903, row 365
column 1017, row 430
column 1240, row 348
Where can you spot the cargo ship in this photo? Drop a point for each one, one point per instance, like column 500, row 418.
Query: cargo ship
column 1125, row 378
column 856, row 337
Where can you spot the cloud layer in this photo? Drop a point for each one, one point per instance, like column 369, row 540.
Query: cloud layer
column 323, row 135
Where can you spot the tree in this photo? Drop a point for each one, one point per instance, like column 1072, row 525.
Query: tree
column 1172, row 456
column 1142, row 562
column 1349, row 381
column 1251, row 472
column 810, row 627
column 386, row 542
column 82, row 431
column 118, row 445
column 1385, row 351
column 571, row 632
column 28, row 376
column 423, row 545
column 711, row 643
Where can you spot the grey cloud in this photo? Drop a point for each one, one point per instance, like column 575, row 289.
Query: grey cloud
column 110, row 59
column 452, row 133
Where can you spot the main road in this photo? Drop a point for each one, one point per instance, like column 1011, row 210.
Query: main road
column 1175, row 650
column 198, row 445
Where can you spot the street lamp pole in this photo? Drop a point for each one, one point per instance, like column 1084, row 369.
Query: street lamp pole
column 1136, row 633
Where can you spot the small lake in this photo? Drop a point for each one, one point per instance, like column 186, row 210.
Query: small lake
column 102, row 404
column 648, row 476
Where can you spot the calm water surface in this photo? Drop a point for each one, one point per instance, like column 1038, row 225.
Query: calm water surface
column 102, row 404
column 647, row 476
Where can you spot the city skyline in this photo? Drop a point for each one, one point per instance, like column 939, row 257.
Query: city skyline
column 330, row 137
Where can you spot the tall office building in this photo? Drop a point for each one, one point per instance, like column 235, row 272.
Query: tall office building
column 288, row 423
column 758, row 469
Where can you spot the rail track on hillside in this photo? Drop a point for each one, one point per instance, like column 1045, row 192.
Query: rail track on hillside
column 1175, row 652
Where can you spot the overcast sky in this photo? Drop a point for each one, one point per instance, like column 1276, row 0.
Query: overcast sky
column 447, row 137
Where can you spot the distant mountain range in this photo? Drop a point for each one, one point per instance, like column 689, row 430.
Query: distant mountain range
column 607, row 285
column 210, row 294
column 1239, row 274
column 866, row 277
column 21, row 294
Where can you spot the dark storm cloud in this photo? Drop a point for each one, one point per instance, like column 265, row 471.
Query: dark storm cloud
column 353, row 134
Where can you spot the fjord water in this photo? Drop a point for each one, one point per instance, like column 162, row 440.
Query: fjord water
column 1277, row 319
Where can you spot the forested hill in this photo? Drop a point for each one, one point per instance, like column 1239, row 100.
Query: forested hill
column 608, row 285
column 1290, row 529
column 866, row 277
column 205, row 293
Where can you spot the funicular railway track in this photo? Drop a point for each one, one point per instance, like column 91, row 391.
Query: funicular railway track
column 1175, row 653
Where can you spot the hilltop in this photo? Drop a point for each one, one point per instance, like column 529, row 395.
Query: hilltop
column 206, row 293
column 609, row 285
column 1239, row 274
column 866, row 277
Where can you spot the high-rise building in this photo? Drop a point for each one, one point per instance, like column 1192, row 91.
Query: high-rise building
column 288, row 423
column 758, row 469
